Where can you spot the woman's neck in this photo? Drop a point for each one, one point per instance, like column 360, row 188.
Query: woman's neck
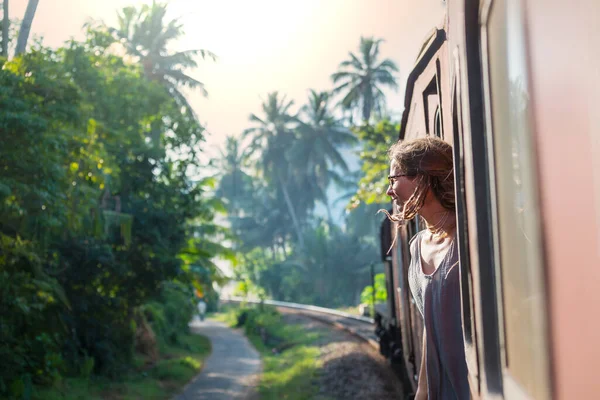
column 438, row 219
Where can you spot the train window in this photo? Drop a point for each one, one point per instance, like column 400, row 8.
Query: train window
column 437, row 128
column 517, row 223
column 431, row 103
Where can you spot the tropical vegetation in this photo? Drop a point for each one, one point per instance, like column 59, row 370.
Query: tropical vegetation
column 112, row 214
column 360, row 79
column 103, row 234
column 290, row 352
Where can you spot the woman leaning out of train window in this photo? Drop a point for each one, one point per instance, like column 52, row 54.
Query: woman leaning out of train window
column 422, row 183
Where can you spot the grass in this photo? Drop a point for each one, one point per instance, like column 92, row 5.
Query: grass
column 177, row 366
column 291, row 371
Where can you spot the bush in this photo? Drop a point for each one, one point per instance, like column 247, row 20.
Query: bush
column 170, row 314
column 366, row 297
column 175, row 368
column 30, row 330
column 100, row 319
column 263, row 322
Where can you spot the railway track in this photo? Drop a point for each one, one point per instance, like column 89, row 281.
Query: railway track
column 361, row 327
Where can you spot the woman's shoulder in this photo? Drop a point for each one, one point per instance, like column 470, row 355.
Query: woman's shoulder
column 416, row 240
column 415, row 243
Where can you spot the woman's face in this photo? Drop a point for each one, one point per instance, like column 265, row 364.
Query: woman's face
column 401, row 188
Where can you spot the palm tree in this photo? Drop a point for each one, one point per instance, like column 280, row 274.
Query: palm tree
column 316, row 151
column 5, row 26
column 360, row 79
column 271, row 137
column 145, row 34
column 25, row 26
column 234, row 182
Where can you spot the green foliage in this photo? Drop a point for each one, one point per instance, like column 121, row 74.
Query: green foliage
column 361, row 77
column 289, row 356
column 175, row 368
column 366, row 297
column 256, row 319
column 376, row 140
column 145, row 34
column 97, row 208
column 30, row 332
column 178, row 365
column 170, row 312
column 331, row 270
column 284, row 250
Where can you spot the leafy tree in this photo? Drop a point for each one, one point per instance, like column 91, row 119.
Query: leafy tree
column 145, row 35
column 235, row 184
column 380, row 296
column 93, row 218
column 376, row 140
column 331, row 271
column 361, row 77
column 316, row 151
column 271, row 138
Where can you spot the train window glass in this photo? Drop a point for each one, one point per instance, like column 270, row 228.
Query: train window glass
column 517, row 231
column 437, row 128
column 431, row 102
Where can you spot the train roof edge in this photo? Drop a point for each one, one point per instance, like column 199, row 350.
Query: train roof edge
column 429, row 49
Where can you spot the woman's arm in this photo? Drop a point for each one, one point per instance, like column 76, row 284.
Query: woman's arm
column 422, row 384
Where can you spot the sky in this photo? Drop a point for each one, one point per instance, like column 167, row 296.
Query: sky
column 288, row 46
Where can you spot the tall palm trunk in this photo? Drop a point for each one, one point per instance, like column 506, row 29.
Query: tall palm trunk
column 290, row 206
column 26, row 26
column 367, row 104
column 329, row 215
column 5, row 25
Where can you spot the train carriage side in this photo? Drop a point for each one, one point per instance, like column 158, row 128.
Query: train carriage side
column 525, row 143
column 519, row 106
column 427, row 112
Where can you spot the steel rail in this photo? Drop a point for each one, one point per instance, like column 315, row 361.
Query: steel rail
column 298, row 306
column 338, row 319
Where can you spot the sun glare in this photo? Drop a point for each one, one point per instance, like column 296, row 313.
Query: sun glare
column 241, row 29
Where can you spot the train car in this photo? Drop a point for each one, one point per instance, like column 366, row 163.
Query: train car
column 513, row 85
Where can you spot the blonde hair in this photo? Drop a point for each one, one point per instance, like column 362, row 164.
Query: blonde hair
column 429, row 160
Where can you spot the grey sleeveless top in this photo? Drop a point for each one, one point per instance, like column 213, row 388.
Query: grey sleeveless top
column 438, row 299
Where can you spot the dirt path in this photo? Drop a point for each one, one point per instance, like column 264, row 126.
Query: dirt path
column 230, row 372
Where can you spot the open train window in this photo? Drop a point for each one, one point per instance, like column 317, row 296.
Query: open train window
column 430, row 103
column 516, row 222
column 432, row 111
column 437, row 127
